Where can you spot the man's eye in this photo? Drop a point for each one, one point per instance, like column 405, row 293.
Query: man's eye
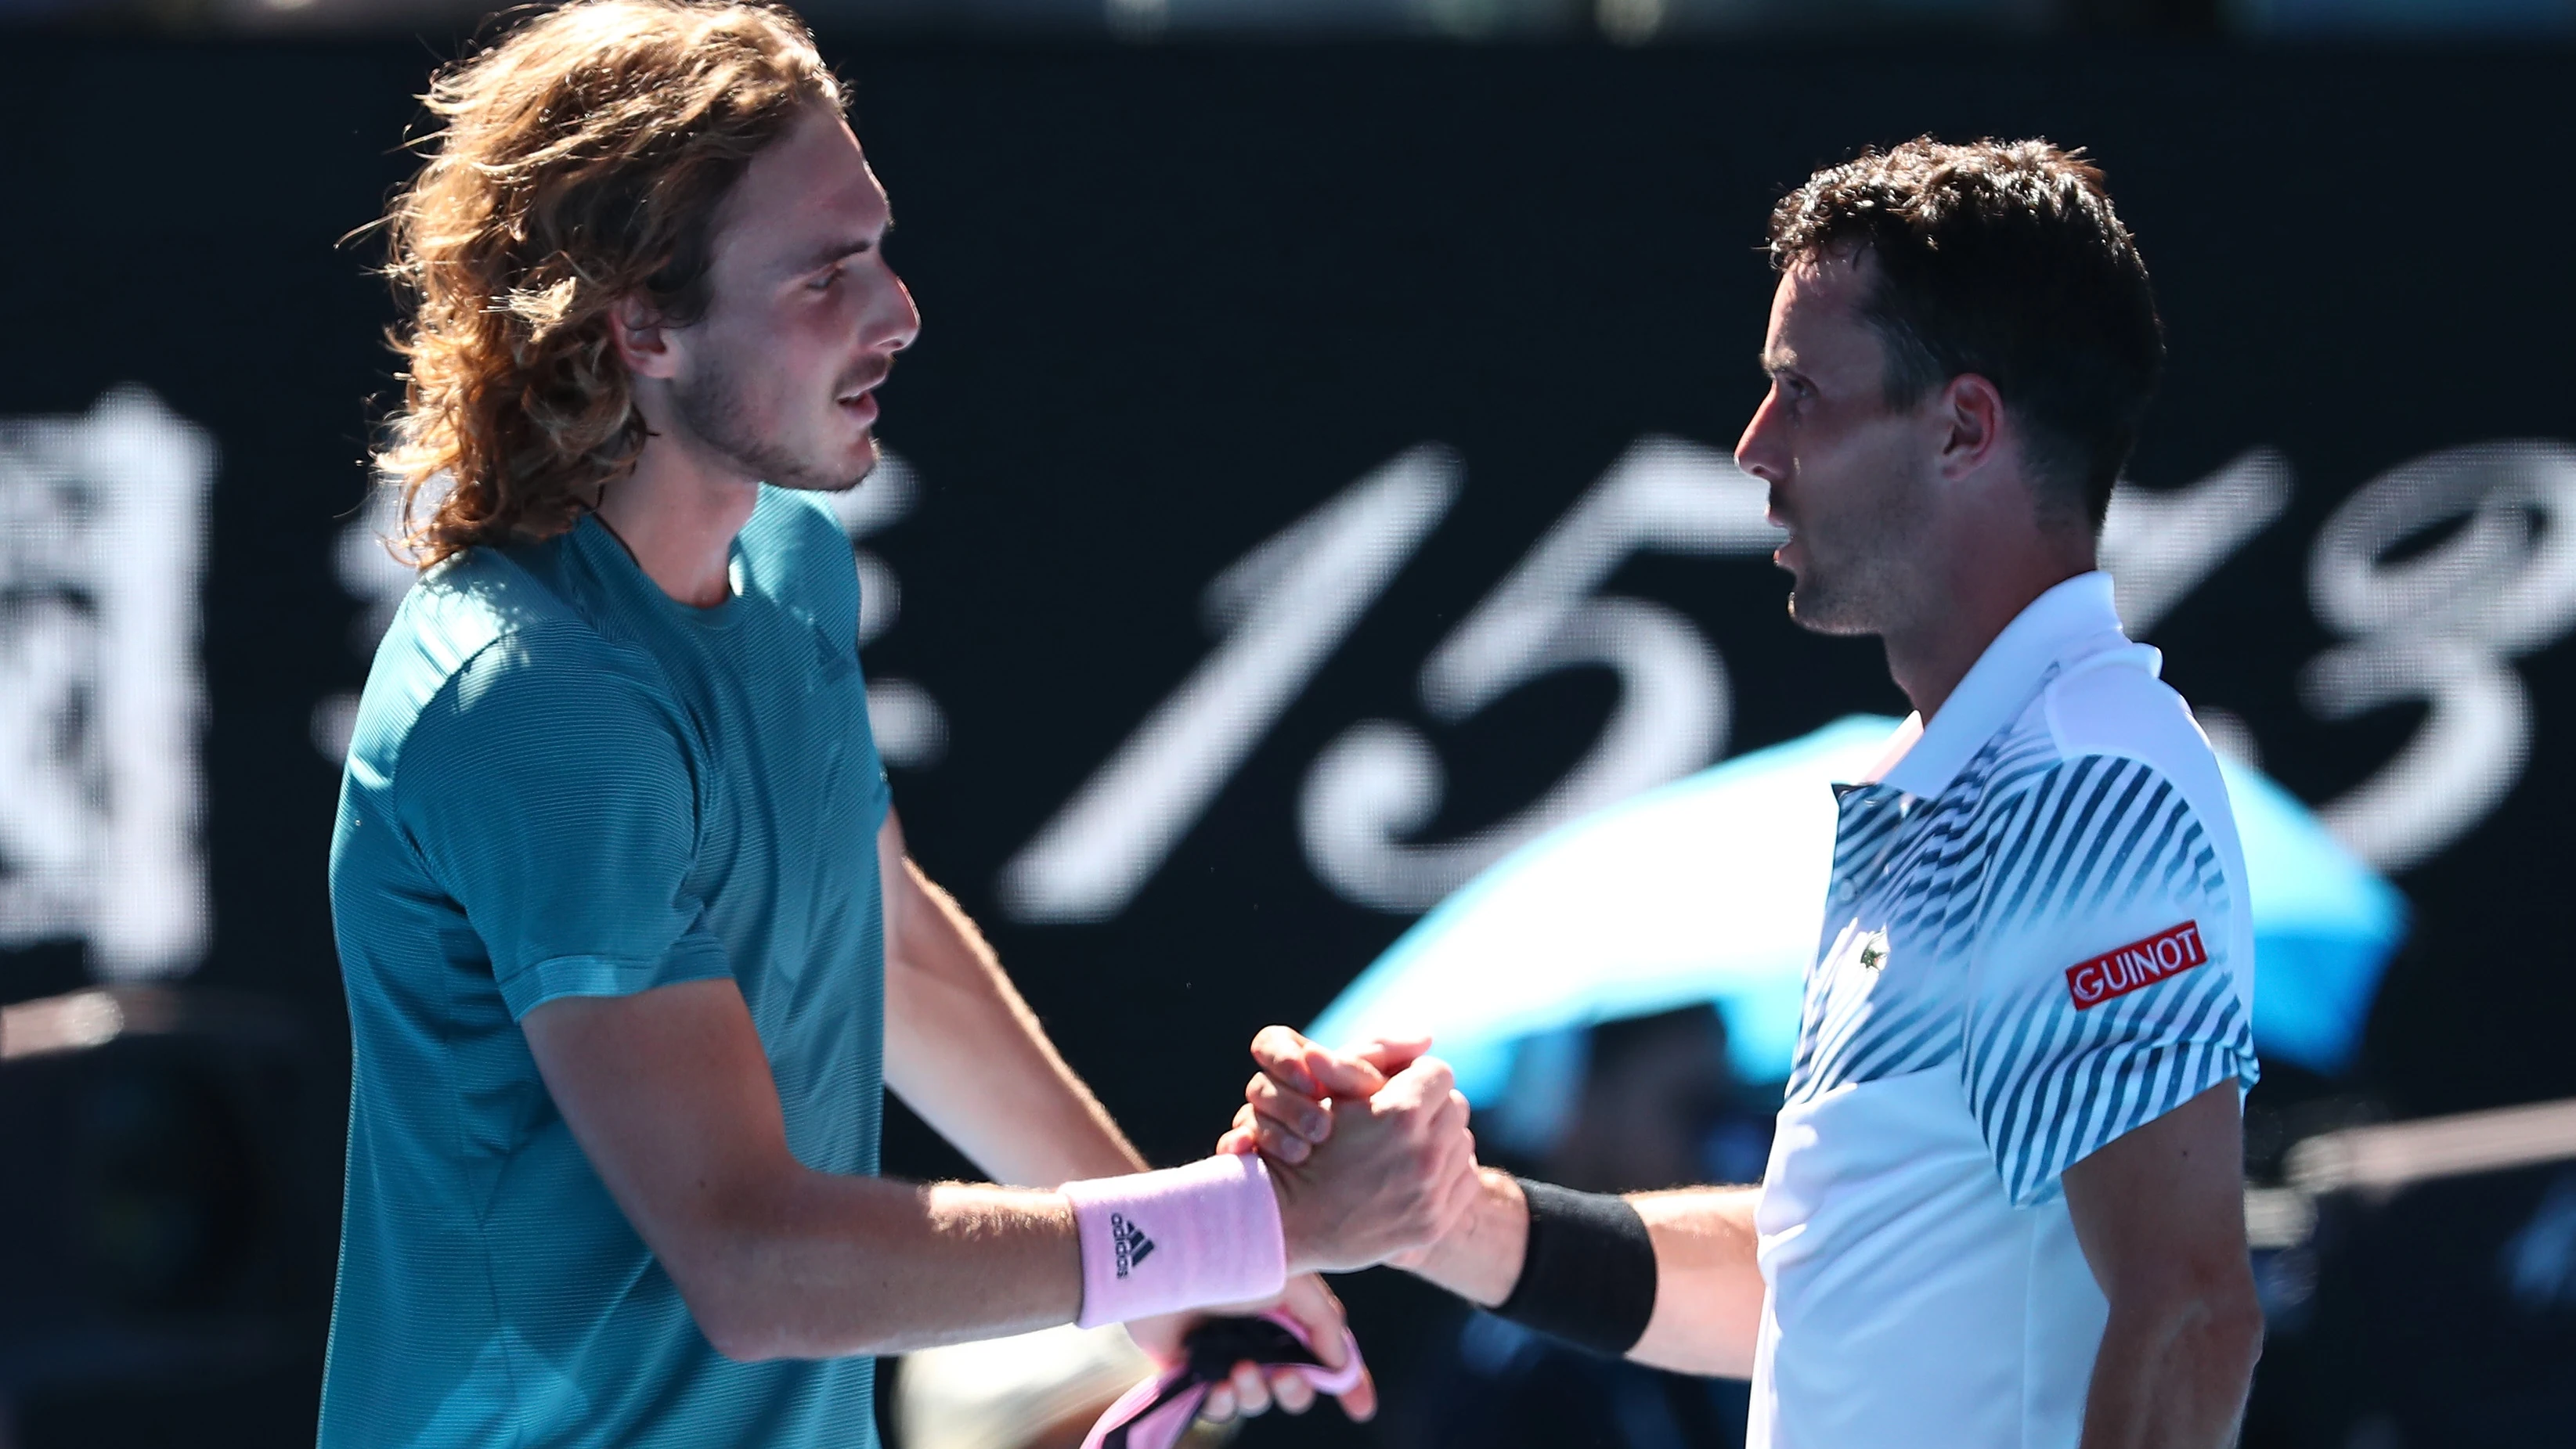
column 824, row 282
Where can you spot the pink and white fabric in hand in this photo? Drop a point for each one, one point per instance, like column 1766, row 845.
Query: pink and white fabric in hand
column 1155, row 1413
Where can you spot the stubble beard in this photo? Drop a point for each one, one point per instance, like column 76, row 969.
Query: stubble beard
column 718, row 411
column 1856, row 584
column 1845, row 598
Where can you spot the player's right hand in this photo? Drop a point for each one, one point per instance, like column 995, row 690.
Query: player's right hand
column 1397, row 1171
column 1287, row 1106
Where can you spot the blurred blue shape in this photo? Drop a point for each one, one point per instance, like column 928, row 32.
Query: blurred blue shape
column 2324, row 926
column 1712, row 889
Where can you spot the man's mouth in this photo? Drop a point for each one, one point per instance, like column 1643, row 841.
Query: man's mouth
column 1775, row 512
column 860, row 400
column 860, row 397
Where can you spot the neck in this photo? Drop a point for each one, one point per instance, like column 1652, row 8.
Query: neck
column 677, row 513
column 1982, row 596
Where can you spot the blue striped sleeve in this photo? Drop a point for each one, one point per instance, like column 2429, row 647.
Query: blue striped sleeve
column 2105, row 989
column 549, row 790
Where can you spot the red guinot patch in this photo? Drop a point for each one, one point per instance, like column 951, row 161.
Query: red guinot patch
column 2168, row 952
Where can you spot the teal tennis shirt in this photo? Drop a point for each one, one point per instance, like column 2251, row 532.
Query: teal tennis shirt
column 562, row 782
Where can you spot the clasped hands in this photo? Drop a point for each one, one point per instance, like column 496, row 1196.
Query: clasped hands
column 1370, row 1155
column 1369, row 1149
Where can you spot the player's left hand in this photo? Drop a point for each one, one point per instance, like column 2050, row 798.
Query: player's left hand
column 1251, row 1392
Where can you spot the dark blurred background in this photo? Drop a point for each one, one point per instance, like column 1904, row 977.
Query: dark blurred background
column 1190, row 270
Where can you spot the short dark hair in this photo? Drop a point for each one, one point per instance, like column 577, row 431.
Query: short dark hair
column 2005, row 259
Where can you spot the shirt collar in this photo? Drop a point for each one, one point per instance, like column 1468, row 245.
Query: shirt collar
column 2075, row 620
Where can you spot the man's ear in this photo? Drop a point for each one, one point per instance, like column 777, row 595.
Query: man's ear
column 642, row 338
column 1972, row 413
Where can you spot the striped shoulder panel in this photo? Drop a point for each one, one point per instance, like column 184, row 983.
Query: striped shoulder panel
column 2097, row 833
column 1916, row 875
column 2096, row 839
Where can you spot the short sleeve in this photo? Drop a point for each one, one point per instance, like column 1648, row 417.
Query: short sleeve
column 548, row 786
column 2107, row 988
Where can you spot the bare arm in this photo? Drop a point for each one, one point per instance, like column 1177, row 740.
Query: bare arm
column 1708, row 1289
column 966, row 1053
column 2160, row 1213
column 671, row 1098
column 1708, row 1293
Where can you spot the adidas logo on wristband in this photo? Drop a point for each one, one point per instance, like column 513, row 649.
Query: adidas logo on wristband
column 1128, row 1243
column 1217, row 1222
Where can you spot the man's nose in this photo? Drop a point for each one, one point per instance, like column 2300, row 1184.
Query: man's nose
column 1758, row 452
column 899, row 321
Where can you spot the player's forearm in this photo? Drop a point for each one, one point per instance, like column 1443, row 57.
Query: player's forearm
column 776, row 1261
column 965, row 1052
column 1708, row 1286
column 812, row 1265
column 2174, row 1374
column 1708, row 1299
column 1480, row 1258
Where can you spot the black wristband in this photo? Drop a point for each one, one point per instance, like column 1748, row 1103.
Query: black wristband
column 1588, row 1275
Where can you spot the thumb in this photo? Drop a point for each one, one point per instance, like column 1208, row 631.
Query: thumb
column 1425, row 1080
column 1343, row 1074
column 1391, row 1054
column 1282, row 1055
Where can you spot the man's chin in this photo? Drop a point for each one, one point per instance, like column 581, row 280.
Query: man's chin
column 1822, row 611
column 845, row 475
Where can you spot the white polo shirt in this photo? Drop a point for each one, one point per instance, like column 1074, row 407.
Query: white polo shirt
column 2035, row 939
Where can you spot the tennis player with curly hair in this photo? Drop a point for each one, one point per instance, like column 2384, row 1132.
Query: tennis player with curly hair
column 631, row 942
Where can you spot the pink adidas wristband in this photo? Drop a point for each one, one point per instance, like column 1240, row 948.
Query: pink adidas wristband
column 1186, row 1237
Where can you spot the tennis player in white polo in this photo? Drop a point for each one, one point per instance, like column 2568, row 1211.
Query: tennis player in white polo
column 2005, row 1203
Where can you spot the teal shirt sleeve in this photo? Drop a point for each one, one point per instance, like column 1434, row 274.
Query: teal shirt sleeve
column 550, row 791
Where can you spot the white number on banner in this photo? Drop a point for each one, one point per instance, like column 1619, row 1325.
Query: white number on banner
column 2440, row 625
column 2159, row 545
column 2443, row 624
column 1381, row 781
column 1282, row 610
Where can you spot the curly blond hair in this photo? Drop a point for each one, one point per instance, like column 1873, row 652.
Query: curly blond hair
column 578, row 161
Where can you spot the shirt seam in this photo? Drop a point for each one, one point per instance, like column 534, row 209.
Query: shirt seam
column 613, row 962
